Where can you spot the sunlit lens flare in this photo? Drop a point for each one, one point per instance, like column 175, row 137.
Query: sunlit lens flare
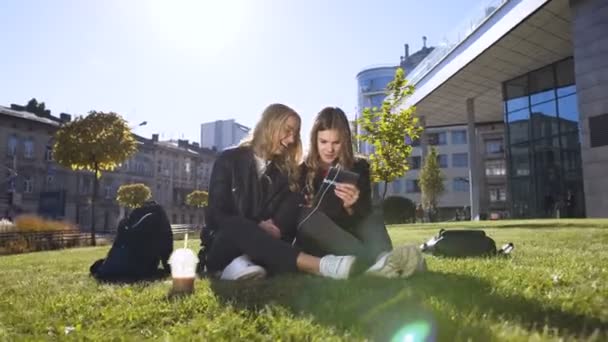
column 418, row 331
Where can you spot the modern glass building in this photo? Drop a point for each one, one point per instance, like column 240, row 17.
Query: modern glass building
column 540, row 67
column 371, row 91
column 543, row 139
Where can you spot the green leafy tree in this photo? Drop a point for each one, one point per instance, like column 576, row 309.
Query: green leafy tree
column 133, row 195
column 386, row 128
column 431, row 182
column 197, row 198
column 97, row 142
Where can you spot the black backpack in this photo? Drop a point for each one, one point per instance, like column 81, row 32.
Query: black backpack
column 464, row 243
column 143, row 240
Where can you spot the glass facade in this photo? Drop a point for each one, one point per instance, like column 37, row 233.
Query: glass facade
column 543, row 143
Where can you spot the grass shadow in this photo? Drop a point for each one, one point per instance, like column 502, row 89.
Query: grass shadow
column 380, row 308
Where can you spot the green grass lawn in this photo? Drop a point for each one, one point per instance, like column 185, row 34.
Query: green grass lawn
column 553, row 287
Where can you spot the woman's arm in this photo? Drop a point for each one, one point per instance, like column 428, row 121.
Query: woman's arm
column 221, row 204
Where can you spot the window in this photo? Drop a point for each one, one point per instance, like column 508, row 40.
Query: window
column 459, row 137
column 498, row 194
column 439, row 138
column 107, row 192
column 494, row 146
column 50, row 179
column 541, row 84
column 568, row 114
column 84, row 186
column 411, row 185
column 28, row 185
column 28, row 149
column 495, row 168
column 460, row 184
column 410, row 141
column 415, row 162
column 442, row 159
column 397, row 186
column 460, row 160
column 598, row 127
column 48, row 153
column 12, row 145
column 565, row 77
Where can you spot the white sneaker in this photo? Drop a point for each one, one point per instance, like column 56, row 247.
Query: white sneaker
column 401, row 262
column 242, row 268
column 337, row 267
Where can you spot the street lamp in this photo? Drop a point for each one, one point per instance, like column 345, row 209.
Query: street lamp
column 143, row 123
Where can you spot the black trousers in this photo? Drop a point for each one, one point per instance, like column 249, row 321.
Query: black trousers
column 240, row 235
column 319, row 235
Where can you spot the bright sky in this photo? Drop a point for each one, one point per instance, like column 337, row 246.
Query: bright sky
column 179, row 63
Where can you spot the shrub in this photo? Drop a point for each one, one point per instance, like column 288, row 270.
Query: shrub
column 34, row 223
column 398, row 210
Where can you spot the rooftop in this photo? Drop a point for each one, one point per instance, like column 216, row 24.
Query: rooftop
column 28, row 116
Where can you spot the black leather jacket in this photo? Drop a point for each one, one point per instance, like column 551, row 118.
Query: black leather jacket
column 236, row 190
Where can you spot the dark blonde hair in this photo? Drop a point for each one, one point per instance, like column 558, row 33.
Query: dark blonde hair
column 266, row 136
column 329, row 118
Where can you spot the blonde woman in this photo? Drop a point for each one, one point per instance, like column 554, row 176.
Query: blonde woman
column 254, row 204
column 340, row 218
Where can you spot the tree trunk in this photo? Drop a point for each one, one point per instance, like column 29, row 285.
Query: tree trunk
column 93, row 202
column 384, row 192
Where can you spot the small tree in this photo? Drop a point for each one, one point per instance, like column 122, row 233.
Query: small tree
column 133, row 195
column 431, row 182
column 97, row 142
column 386, row 128
column 197, row 198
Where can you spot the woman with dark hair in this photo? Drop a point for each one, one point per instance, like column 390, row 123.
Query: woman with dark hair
column 253, row 206
column 339, row 217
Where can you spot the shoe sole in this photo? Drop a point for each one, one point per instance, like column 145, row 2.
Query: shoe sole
column 251, row 273
column 402, row 262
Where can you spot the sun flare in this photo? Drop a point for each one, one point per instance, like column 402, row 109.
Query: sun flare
column 203, row 25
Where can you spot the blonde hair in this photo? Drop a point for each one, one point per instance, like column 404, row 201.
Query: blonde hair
column 329, row 118
column 267, row 135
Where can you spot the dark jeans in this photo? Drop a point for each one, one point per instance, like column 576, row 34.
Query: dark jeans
column 320, row 235
column 239, row 235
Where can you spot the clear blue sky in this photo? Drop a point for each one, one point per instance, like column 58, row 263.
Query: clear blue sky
column 177, row 64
